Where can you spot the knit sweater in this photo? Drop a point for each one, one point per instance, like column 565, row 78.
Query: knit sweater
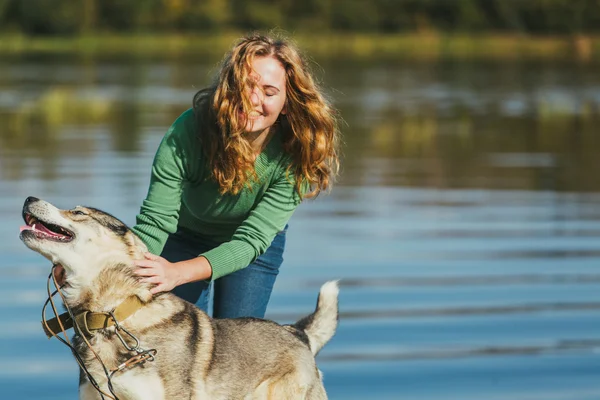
column 182, row 194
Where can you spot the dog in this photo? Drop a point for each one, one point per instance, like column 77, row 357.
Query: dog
column 163, row 347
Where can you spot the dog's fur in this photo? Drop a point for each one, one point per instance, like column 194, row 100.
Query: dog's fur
column 198, row 357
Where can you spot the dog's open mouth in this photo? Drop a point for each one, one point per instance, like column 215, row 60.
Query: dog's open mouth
column 45, row 230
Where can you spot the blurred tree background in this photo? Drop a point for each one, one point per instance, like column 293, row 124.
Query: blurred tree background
column 68, row 17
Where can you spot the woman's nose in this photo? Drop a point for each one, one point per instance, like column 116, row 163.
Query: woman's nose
column 255, row 97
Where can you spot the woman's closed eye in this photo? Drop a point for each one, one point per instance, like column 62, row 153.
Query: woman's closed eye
column 270, row 91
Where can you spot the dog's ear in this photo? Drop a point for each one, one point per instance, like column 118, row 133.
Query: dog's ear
column 135, row 244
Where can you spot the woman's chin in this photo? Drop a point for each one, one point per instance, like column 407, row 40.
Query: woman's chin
column 255, row 128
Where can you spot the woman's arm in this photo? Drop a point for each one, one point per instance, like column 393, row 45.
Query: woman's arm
column 167, row 275
column 255, row 234
column 250, row 240
column 159, row 212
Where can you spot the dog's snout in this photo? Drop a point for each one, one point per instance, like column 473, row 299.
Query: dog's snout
column 31, row 199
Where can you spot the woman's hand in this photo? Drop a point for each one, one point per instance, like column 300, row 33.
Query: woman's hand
column 164, row 274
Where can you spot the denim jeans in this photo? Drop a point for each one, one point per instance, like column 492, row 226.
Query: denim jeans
column 244, row 293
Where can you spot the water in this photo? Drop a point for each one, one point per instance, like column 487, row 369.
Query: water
column 464, row 227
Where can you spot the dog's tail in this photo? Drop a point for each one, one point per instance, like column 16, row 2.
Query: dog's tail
column 320, row 326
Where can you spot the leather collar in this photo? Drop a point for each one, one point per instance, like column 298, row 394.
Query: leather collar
column 89, row 321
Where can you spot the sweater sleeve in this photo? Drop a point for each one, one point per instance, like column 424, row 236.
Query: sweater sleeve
column 255, row 234
column 159, row 212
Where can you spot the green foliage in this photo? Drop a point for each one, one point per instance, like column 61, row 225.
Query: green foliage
column 258, row 14
column 48, row 16
column 68, row 17
column 354, row 15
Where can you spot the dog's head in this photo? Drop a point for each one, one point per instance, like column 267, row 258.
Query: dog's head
column 83, row 240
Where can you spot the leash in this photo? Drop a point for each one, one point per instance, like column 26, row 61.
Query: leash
column 85, row 323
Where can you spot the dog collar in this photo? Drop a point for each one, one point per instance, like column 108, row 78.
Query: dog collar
column 88, row 321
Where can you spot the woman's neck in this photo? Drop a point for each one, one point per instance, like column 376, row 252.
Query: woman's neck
column 259, row 140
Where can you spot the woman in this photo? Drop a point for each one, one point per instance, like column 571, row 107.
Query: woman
column 228, row 175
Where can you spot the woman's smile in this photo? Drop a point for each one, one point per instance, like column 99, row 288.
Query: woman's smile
column 254, row 115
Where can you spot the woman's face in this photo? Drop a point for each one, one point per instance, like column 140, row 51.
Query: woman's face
column 268, row 96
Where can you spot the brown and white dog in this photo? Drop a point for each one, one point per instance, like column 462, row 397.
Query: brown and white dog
column 193, row 355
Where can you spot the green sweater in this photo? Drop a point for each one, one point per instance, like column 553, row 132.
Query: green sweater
column 181, row 194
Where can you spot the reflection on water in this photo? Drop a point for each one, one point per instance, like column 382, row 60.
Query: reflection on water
column 465, row 225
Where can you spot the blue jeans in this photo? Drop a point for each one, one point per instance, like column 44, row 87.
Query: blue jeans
column 244, row 293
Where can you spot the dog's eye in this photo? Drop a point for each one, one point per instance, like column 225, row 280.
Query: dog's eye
column 77, row 212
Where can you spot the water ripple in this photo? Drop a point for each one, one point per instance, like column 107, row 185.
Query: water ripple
column 452, row 311
column 483, row 280
column 587, row 345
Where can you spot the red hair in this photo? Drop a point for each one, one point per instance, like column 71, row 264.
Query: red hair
column 310, row 132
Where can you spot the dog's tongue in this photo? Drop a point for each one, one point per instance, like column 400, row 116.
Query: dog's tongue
column 25, row 228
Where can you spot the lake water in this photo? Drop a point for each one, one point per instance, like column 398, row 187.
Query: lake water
column 465, row 226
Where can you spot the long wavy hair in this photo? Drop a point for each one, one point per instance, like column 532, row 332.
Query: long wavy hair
column 310, row 129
